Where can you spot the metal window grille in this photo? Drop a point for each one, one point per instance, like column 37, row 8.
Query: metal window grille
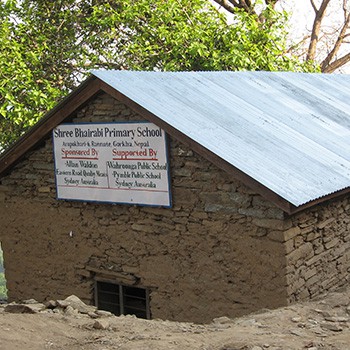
column 122, row 300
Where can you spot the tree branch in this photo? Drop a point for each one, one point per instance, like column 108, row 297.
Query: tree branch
column 340, row 40
column 226, row 5
column 311, row 54
column 337, row 64
column 246, row 5
column 313, row 5
column 345, row 10
column 298, row 44
column 271, row 2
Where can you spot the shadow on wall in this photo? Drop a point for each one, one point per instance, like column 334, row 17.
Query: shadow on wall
column 3, row 290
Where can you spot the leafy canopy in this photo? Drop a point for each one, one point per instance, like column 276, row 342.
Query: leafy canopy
column 48, row 47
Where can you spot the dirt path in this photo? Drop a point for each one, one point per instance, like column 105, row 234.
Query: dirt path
column 323, row 324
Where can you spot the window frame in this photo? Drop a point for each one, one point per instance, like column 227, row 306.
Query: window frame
column 121, row 301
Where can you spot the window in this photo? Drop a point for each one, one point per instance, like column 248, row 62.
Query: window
column 122, row 300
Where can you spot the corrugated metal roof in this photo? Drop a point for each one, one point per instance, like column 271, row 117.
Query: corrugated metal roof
column 288, row 131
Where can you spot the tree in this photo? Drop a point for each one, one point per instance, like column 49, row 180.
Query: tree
column 45, row 50
column 323, row 44
column 48, row 47
column 24, row 93
column 332, row 41
column 191, row 35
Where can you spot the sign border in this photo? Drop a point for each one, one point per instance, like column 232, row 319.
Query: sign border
column 167, row 157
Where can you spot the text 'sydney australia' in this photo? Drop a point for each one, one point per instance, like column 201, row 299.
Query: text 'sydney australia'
column 117, row 162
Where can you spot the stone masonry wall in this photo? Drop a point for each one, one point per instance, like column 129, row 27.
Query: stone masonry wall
column 318, row 250
column 220, row 250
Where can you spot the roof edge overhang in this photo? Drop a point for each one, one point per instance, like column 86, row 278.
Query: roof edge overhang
column 312, row 203
column 91, row 87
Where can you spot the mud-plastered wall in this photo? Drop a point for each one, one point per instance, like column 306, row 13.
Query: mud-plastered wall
column 218, row 251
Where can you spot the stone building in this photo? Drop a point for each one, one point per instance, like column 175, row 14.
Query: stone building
column 258, row 166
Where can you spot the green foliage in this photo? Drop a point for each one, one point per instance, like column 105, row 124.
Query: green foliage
column 3, row 290
column 25, row 94
column 47, row 47
column 191, row 35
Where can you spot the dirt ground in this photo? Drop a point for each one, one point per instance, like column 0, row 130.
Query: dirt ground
column 321, row 324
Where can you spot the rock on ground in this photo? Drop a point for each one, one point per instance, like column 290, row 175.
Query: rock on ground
column 322, row 324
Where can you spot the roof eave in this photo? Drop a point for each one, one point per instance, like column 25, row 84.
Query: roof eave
column 326, row 198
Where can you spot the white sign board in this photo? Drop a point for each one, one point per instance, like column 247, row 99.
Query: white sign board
column 116, row 162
